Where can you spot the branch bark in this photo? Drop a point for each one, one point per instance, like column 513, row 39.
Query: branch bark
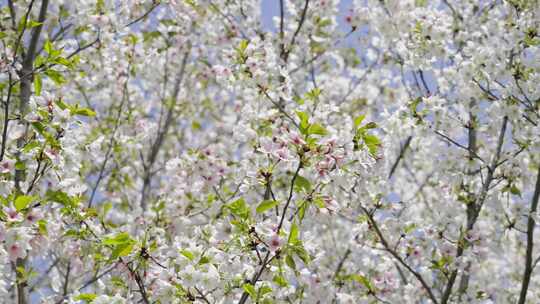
column 398, row 258
column 473, row 150
column 474, row 212
column 156, row 146
column 300, row 23
column 26, row 90
column 267, row 258
column 530, row 243
column 400, row 156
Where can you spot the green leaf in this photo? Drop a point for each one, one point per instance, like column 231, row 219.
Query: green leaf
column 362, row 280
column 84, row 112
column 239, row 208
column 304, row 121
column 250, row 289
column 413, row 105
column 358, row 120
column 32, row 23
column 87, row 297
column 532, row 37
column 48, row 47
column 63, row 61
column 55, row 76
column 59, row 197
column 370, row 125
column 204, row 260
column 195, row 125
column 264, row 290
column 121, row 250
column 298, row 100
column 22, row 201
column 290, row 262
column 319, row 202
column 302, row 207
column 301, row 252
column 280, row 281
column 40, row 128
column 100, row 6
column 37, row 84
column 20, row 165
column 188, row 254
column 302, row 183
column 149, row 36
column 373, row 143
column 266, row 205
column 122, row 244
column 515, row 190
column 324, row 22
column 243, row 45
column 293, row 234
column 317, row 129
column 313, row 94
column 119, row 238
column 42, row 226
column 531, row 41
column 407, row 229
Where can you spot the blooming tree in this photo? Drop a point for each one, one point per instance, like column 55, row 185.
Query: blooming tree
column 186, row 151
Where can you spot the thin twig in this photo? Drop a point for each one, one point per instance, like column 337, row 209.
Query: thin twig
column 474, row 213
column 387, row 247
column 283, row 213
column 156, row 146
column 400, row 156
column 155, row 4
column 300, row 23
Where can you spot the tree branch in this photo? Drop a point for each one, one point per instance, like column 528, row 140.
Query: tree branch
column 527, row 273
column 400, row 156
column 475, row 212
column 300, row 23
column 155, row 4
column 26, row 90
column 388, row 248
column 156, row 146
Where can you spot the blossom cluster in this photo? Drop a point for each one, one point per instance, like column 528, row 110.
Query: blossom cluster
column 204, row 151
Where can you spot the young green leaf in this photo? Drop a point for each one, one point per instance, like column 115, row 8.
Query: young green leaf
column 358, row 120
column 37, row 84
column 290, row 262
column 55, row 76
column 373, row 143
column 120, row 238
column 302, row 183
column 84, row 112
column 188, row 254
column 48, row 47
column 280, row 281
column 362, row 280
column 293, row 234
column 239, row 208
column 121, row 250
column 317, row 129
column 22, row 201
column 250, row 289
column 266, row 205
column 304, row 121
column 87, row 297
column 370, row 125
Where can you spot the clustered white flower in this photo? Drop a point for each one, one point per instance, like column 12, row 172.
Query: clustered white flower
column 204, row 151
